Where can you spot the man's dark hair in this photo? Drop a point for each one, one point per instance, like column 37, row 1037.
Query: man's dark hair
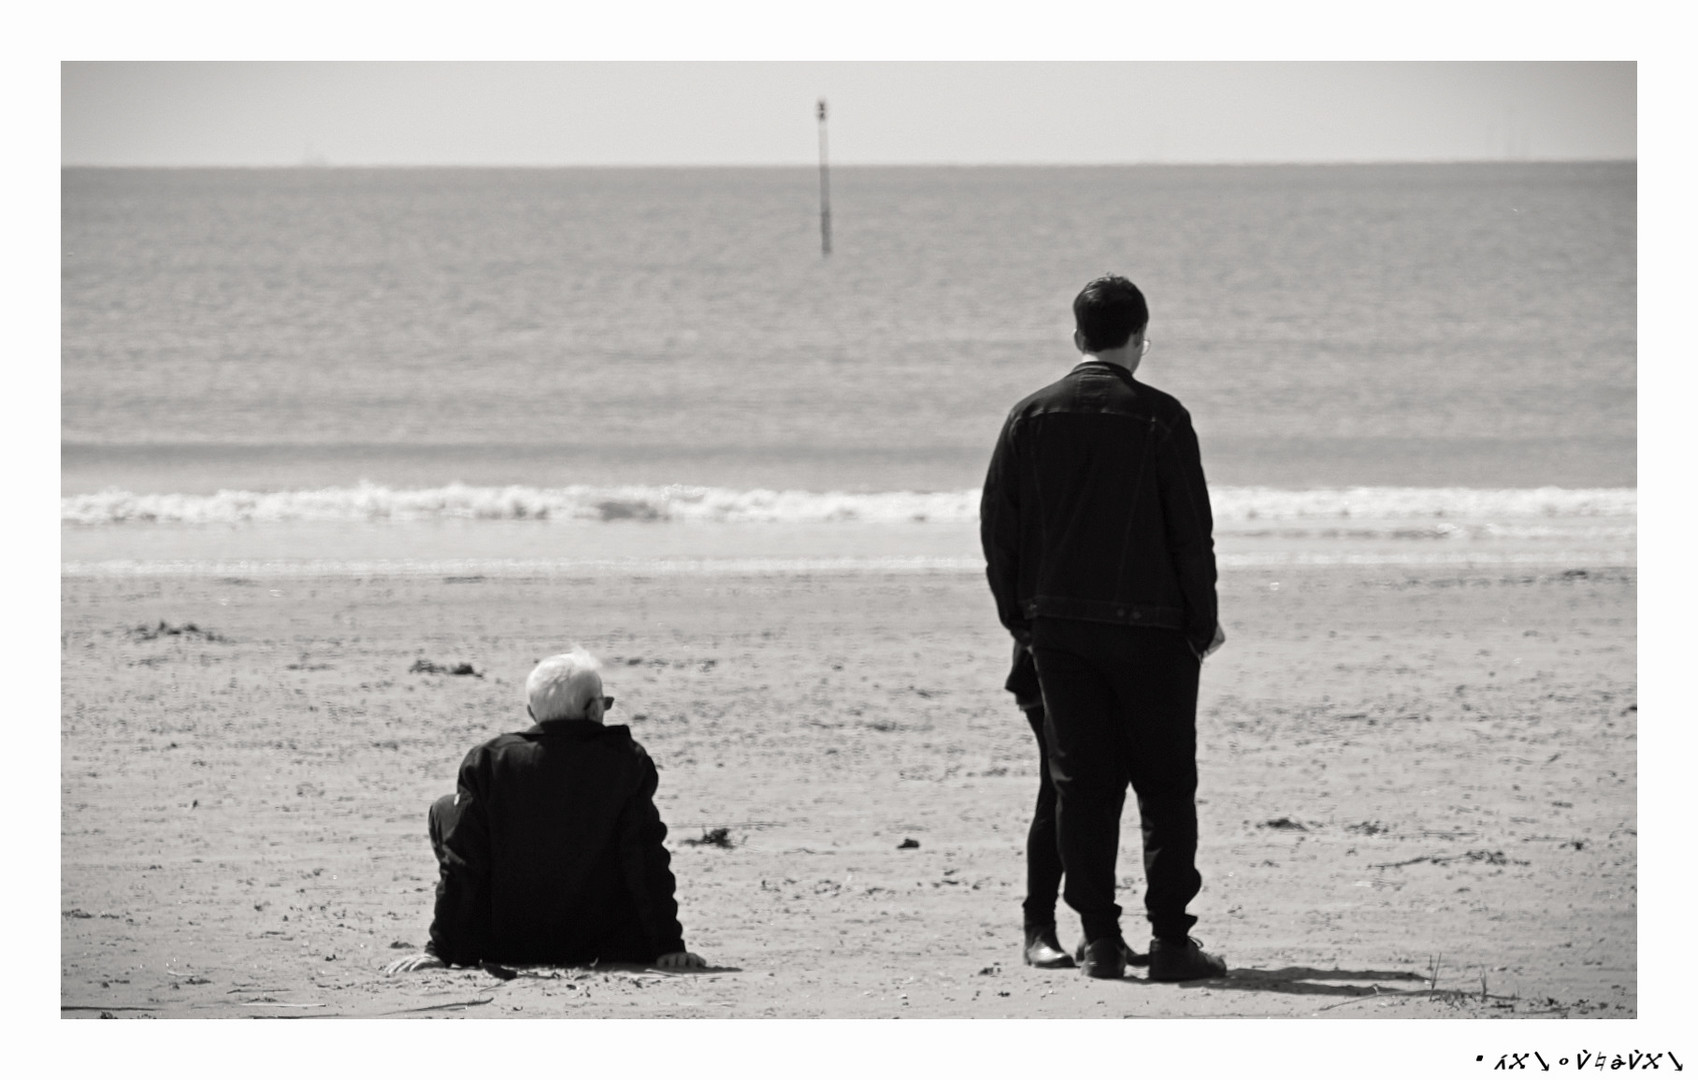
column 1109, row 311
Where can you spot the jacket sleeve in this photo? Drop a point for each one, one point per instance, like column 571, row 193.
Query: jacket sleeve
column 1190, row 529
column 999, row 534
column 459, row 931
column 646, row 865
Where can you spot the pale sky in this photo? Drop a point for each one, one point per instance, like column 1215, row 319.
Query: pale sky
column 914, row 112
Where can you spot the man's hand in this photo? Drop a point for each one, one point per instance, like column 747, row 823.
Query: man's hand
column 679, row 961
column 414, row 962
column 1219, row 640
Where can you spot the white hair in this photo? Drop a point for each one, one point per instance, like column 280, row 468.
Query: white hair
column 565, row 687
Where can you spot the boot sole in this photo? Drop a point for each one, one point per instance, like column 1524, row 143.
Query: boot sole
column 1051, row 965
column 1185, row 976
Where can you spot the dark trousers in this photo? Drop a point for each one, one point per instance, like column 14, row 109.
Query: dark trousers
column 1043, row 853
column 444, row 812
column 1122, row 709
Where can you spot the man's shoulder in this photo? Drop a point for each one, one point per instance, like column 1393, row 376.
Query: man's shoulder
column 586, row 742
column 619, row 736
column 1064, row 392
column 1160, row 401
column 613, row 738
column 567, row 731
column 493, row 747
column 1043, row 397
column 509, row 738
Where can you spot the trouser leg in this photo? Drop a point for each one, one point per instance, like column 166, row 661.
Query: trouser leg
column 1043, row 851
column 444, row 814
column 1123, row 707
column 1160, row 680
column 1087, row 764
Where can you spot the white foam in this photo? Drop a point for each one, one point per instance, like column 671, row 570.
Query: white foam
column 269, row 568
column 1414, row 503
column 681, row 503
column 529, row 568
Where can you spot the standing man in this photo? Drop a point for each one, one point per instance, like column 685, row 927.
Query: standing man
column 1099, row 547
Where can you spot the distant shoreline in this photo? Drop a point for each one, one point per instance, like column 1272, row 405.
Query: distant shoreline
column 812, row 167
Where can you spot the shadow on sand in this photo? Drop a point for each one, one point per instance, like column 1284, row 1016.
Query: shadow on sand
column 542, row 971
column 1327, row 982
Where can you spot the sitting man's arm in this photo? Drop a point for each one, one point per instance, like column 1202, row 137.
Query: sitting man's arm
column 648, row 874
column 461, row 919
column 462, row 892
column 462, row 889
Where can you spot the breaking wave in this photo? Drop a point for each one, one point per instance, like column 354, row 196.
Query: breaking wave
column 1245, row 507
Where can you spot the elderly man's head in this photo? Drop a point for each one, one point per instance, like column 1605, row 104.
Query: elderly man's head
column 566, row 687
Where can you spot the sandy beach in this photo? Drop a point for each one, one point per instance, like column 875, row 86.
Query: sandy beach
column 1418, row 794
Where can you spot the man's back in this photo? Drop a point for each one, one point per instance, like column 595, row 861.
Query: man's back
column 1095, row 508
column 557, row 854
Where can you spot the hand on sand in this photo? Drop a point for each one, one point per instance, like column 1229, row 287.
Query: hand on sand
column 413, row 963
column 678, row 961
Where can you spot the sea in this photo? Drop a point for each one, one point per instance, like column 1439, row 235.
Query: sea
column 662, row 370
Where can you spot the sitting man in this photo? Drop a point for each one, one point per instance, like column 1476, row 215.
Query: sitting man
column 551, row 850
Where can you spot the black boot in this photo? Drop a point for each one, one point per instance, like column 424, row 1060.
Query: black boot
column 1183, row 961
column 1043, row 950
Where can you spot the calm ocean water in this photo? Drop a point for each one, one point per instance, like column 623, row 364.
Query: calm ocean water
column 1398, row 361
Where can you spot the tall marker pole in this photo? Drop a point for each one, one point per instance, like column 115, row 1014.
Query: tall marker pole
column 825, row 190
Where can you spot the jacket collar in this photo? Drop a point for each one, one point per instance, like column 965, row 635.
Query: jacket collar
column 1096, row 366
column 581, row 729
column 1094, row 361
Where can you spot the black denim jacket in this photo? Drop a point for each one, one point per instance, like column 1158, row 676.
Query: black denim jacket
column 1095, row 508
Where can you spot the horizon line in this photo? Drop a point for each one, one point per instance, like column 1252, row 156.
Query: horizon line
column 1283, row 162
